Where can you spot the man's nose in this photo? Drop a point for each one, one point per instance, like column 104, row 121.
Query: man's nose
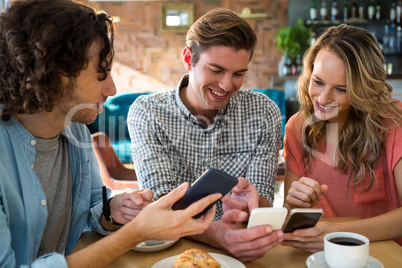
column 226, row 83
column 110, row 86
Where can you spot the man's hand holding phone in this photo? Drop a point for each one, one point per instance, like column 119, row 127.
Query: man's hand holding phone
column 210, row 182
column 298, row 218
column 244, row 244
column 268, row 216
column 244, row 197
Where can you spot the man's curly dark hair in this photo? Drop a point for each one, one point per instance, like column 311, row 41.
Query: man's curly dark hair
column 41, row 40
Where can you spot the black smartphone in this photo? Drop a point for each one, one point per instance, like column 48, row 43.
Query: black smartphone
column 210, row 182
column 301, row 218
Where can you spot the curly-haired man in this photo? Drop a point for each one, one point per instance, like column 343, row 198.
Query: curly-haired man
column 55, row 61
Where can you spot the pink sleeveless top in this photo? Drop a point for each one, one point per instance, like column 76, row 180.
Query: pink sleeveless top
column 338, row 201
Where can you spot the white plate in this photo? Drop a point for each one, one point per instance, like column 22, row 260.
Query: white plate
column 317, row 260
column 142, row 247
column 225, row 261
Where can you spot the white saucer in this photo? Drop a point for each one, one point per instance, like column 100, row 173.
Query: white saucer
column 225, row 261
column 142, row 247
column 317, row 260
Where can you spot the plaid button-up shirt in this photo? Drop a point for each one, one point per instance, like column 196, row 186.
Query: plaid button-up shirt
column 170, row 146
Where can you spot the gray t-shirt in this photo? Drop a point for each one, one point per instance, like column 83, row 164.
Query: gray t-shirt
column 52, row 167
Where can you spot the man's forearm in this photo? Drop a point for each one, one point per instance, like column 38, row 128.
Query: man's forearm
column 210, row 236
column 264, row 202
column 106, row 250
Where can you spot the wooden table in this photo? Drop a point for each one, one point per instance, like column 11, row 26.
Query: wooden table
column 388, row 252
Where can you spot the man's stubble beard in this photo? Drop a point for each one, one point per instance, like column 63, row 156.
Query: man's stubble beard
column 70, row 102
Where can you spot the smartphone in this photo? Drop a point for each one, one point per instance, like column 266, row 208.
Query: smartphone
column 272, row 216
column 210, row 182
column 301, row 218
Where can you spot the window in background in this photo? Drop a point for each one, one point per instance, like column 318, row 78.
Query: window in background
column 2, row 4
column 176, row 17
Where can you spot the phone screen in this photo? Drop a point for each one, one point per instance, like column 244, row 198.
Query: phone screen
column 210, row 182
column 302, row 220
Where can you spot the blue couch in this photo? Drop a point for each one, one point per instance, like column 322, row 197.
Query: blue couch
column 278, row 96
column 113, row 122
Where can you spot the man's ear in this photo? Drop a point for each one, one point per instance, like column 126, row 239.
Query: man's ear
column 64, row 81
column 187, row 54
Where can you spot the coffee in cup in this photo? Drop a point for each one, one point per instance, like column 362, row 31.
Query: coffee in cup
column 346, row 250
column 346, row 241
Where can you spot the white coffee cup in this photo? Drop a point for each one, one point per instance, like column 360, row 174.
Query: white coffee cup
column 346, row 250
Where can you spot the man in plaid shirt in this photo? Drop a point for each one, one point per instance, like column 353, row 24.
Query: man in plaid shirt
column 207, row 121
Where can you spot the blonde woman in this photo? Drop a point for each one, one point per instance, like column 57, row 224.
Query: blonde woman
column 343, row 149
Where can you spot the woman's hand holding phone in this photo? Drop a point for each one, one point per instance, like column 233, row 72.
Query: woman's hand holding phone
column 302, row 218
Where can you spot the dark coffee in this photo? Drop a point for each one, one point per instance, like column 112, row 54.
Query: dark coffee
column 346, row 241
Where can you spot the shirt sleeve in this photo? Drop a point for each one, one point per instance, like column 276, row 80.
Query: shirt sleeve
column 152, row 163
column 264, row 164
column 394, row 144
column 50, row 260
column 96, row 206
column 7, row 255
column 292, row 148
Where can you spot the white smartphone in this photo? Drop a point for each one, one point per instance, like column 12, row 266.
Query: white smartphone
column 300, row 218
column 272, row 216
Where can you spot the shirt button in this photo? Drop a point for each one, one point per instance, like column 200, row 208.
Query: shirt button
column 32, row 166
column 33, row 142
column 43, row 203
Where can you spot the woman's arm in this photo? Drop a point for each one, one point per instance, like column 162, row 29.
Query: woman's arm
column 398, row 178
column 290, row 177
column 382, row 227
column 385, row 226
column 302, row 192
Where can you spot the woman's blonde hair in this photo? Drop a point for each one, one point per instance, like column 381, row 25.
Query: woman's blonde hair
column 362, row 138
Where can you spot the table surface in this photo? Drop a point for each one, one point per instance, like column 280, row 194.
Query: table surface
column 388, row 252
